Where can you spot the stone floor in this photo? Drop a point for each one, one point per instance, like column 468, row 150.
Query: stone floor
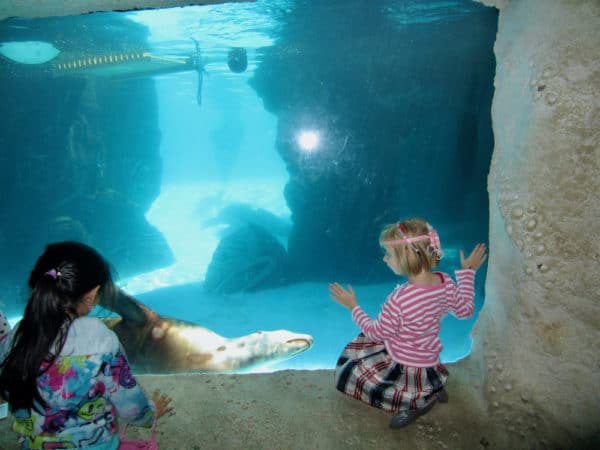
column 291, row 410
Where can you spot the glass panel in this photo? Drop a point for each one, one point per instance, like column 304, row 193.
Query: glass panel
column 232, row 160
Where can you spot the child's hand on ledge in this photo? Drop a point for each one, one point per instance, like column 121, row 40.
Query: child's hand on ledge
column 161, row 403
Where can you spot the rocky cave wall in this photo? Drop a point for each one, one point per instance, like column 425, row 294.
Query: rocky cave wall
column 404, row 129
column 535, row 357
column 80, row 157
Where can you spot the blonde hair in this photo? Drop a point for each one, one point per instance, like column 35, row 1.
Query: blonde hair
column 412, row 257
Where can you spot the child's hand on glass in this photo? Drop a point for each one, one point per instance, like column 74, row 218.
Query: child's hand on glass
column 475, row 259
column 344, row 297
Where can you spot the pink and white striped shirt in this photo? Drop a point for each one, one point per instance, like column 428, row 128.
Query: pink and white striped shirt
column 410, row 319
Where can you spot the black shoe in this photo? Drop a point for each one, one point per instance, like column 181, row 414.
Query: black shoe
column 442, row 396
column 404, row 418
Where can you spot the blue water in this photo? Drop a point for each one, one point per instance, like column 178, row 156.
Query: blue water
column 304, row 308
column 349, row 115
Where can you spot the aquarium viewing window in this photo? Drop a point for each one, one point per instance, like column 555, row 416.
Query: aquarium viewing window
column 231, row 160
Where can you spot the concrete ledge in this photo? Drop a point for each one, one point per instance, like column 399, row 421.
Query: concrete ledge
column 302, row 410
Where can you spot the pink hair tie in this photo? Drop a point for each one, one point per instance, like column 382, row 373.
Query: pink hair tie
column 435, row 239
column 432, row 237
column 435, row 242
column 408, row 240
column 53, row 273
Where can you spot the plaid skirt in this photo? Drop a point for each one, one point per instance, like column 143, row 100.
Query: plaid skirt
column 366, row 371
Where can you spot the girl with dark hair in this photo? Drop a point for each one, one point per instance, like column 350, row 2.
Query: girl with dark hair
column 65, row 375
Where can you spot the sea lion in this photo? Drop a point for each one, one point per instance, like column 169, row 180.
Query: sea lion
column 158, row 344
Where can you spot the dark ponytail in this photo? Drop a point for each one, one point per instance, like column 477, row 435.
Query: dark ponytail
column 62, row 275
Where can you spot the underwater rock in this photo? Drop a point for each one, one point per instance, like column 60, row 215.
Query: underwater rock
column 130, row 242
column 379, row 134
column 66, row 228
column 157, row 344
column 236, row 214
column 249, row 258
column 88, row 164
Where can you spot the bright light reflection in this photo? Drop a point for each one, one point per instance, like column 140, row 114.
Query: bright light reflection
column 308, row 140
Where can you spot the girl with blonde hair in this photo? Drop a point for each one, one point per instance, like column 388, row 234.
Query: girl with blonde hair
column 394, row 363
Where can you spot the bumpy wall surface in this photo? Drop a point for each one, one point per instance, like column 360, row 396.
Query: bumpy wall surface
column 537, row 343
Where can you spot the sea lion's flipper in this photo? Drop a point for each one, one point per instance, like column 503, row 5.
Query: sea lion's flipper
column 130, row 309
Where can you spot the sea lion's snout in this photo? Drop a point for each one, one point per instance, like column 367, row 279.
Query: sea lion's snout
column 299, row 343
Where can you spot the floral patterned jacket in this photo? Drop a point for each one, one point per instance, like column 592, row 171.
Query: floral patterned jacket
column 87, row 388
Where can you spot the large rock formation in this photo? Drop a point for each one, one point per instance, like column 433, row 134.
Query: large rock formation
column 535, row 362
column 248, row 258
column 401, row 106
column 80, row 155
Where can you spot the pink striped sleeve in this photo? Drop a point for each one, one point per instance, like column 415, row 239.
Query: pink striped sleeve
column 384, row 326
column 462, row 305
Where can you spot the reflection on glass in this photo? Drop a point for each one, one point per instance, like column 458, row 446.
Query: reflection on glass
column 308, row 141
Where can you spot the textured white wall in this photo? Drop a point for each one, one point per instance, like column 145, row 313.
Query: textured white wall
column 537, row 345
